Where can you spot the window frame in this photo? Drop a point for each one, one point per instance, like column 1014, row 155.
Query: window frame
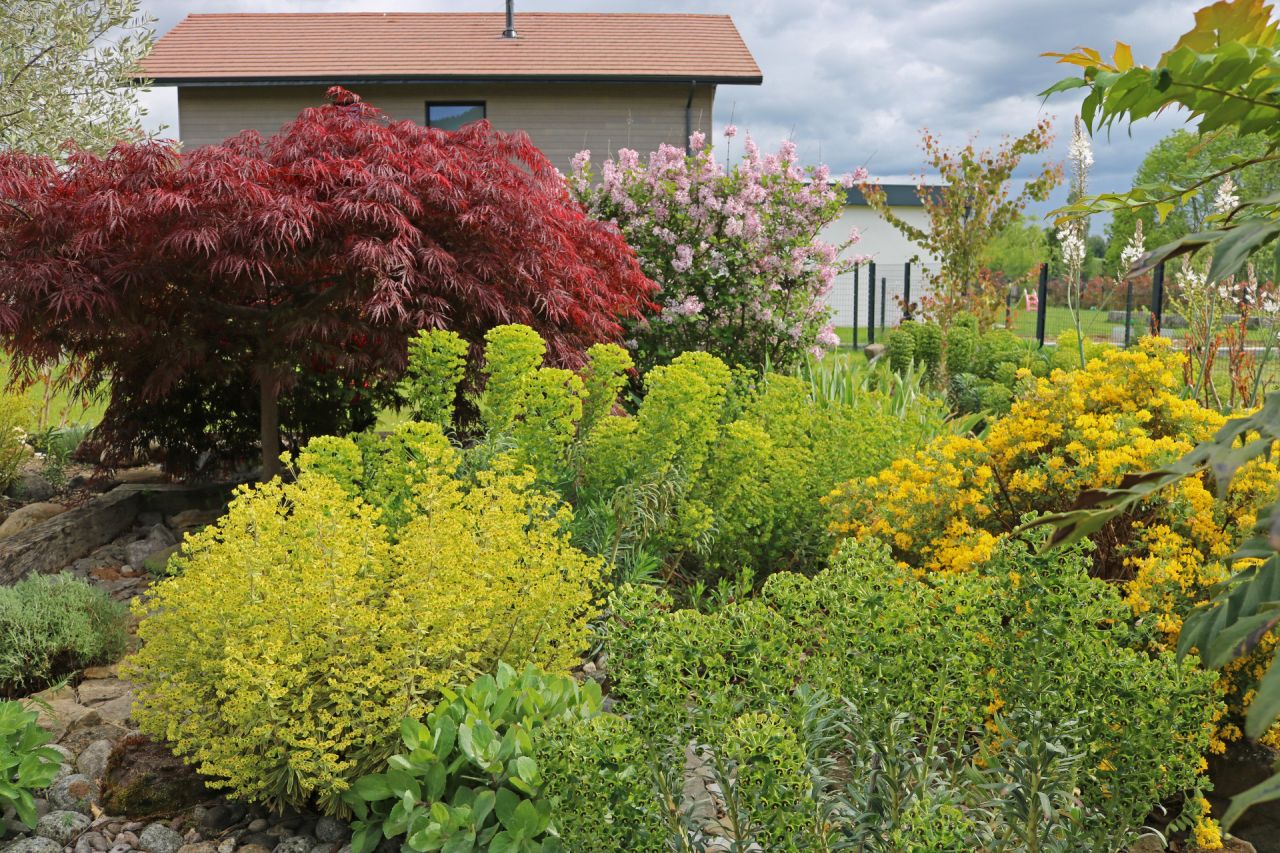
column 483, row 105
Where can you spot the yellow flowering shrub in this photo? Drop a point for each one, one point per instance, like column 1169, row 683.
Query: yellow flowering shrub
column 946, row 507
column 300, row 629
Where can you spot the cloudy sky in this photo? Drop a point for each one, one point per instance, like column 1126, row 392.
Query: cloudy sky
column 854, row 81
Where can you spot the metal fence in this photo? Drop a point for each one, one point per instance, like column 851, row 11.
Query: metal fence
column 874, row 297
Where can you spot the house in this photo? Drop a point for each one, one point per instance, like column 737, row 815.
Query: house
column 888, row 248
column 572, row 81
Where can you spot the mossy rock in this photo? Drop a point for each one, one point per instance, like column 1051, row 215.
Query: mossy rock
column 144, row 779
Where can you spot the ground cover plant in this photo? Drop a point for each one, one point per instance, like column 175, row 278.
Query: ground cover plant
column 52, row 626
column 736, row 251
column 27, row 764
column 282, row 275
column 350, row 599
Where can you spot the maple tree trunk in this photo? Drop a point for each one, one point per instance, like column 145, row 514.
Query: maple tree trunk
column 269, row 403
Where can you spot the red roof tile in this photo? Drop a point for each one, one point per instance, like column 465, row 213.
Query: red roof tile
column 340, row 47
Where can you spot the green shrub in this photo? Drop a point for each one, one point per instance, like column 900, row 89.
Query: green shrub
column 900, row 347
column 300, row 629
column 962, row 348
column 52, row 626
column 713, row 473
column 1024, row 635
column 436, row 364
column 27, row 765
column 928, row 346
column 470, row 776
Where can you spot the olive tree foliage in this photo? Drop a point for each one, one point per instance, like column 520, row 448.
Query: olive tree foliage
column 66, row 73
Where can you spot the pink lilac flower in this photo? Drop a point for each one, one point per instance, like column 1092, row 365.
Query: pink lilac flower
column 683, row 259
column 730, row 131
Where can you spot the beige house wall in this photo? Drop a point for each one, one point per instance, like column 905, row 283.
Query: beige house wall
column 562, row 118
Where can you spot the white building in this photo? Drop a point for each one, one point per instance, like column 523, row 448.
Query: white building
column 889, row 249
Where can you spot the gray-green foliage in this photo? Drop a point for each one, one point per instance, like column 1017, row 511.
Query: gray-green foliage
column 51, row 626
column 66, row 69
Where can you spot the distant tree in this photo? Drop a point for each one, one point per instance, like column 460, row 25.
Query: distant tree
column 1018, row 249
column 973, row 203
column 1178, row 159
column 281, row 264
column 66, row 73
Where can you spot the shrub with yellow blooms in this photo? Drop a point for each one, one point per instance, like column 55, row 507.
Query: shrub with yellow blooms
column 945, row 508
column 300, row 629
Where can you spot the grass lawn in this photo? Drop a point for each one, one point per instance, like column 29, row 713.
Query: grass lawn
column 50, row 408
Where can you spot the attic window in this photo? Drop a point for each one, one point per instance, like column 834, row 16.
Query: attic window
column 451, row 115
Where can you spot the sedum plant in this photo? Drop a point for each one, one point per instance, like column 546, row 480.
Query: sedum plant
column 27, row 763
column 469, row 777
column 300, row 629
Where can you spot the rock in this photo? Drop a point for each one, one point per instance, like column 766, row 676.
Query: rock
column 38, row 844
column 101, row 690
column 77, row 793
column 78, row 738
column 158, row 539
column 142, row 474
column 258, row 839
column 258, row 825
column 199, row 847
column 227, row 845
column 873, row 351
column 96, row 841
column 127, row 837
column 192, row 519
column 30, row 487
column 93, row 672
column 28, row 516
column 118, row 710
column 62, row 826
column 324, row 847
column 296, row 844
column 158, row 563
column 253, row 848
column 330, row 830
column 93, row 759
column 144, row 778
column 158, row 838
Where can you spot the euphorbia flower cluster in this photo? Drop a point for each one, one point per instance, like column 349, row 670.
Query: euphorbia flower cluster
column 735, row 250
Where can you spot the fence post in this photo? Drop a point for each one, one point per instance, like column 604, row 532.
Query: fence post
column 906, row 291
column 884, row 284
column 1128, row 311
column 1157, row 298
column 1042, row 302
column 857, row 268
column 871, row 303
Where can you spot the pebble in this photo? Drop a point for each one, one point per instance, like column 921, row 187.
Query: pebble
column 127, row 837
column 324, row 847
column 62, row 826
column 118, row 848
column 254, row 848
column 296, row 844
column 258, row 839
column 158, row 838
column 200, row 847
column 258, row 825
column 133, row 826
column 76, row 793
column 97, row 841
column 227, row 845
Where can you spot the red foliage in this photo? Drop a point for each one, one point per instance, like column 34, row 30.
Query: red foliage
column 326, row 244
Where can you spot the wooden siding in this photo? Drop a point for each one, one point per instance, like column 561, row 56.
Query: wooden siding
column 562, row 119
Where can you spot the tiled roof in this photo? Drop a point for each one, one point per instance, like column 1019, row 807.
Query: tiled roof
column 340, row 47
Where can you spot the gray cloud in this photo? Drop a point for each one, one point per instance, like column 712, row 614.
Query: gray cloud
column 853, row 83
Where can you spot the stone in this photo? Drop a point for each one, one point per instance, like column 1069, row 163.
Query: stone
column 120, row 848
column 258, row 839
column 96, row 840
column 25, row 517
column 324, row 847
column 329, row 830
column 30, row 487
column 78, row 737
column 127, row 837
column 117, row 710
column 77, row 793
column 158, row 539
column 144, row 778
column 38, row 844
column 227, row 845
column 101, row 690
column 143, row 474
column 158, row 563
column 296, row 844
column 199, row 847
column 92, row 761
column 158, row 838
column 253, row 848
column 62, row 826
column 258, row 825
column 873, row 351
column 192, row 519
column 95, row 672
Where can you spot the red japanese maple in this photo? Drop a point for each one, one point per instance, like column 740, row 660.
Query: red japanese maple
column 327, row 245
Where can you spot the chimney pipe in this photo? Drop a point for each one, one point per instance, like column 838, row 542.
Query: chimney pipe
column 510, row 31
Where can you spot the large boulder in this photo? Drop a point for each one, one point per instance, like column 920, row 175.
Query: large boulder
column 28, row 516
column 159, row 538
column 144, row 778
column 29, row 487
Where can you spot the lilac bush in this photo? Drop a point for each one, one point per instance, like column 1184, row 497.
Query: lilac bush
column 735, row 251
